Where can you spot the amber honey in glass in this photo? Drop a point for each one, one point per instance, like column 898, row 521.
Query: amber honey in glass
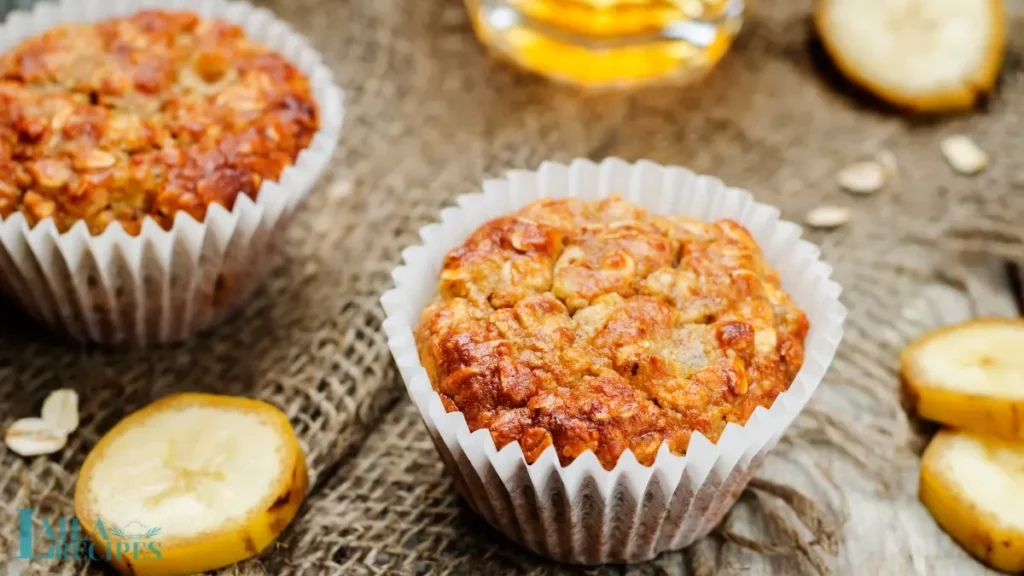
column 602, row 43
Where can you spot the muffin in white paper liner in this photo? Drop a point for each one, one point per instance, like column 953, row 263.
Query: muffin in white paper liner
column 582, row 513
column 162, row 285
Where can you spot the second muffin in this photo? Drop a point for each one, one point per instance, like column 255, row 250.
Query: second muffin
column 150, row 160
column 145, row 116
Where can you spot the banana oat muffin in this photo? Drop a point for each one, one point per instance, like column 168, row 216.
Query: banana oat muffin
column 598, row 326
column 148, row 115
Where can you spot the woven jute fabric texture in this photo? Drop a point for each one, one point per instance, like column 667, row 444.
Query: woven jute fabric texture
column 429, row 117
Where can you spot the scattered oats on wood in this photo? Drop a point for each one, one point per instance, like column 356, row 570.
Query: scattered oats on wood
column 827, row 217
column 963, row 154
column 34, row 437
column 60, row 410
column 862, row 177
column 888, row 161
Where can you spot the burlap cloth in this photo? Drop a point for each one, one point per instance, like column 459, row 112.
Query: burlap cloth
column 429, row 117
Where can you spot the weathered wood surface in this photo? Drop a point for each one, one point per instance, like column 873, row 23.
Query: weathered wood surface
column 429, row 117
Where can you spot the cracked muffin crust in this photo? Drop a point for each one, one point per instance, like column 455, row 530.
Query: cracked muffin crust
column 597, row 326
column 148, row 115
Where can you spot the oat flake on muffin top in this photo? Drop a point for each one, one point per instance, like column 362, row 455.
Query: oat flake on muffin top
column 598, row 326
column 149, row 115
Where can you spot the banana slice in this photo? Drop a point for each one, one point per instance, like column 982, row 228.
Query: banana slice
column 191, row 483
column 970, row 376
column 974, row 487
column 922, row 55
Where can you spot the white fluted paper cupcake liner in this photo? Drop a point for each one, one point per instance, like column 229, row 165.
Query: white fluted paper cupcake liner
column 582, row 513
column 162, row 285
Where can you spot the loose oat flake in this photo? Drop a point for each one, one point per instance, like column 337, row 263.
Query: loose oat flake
column 60, row 410
column 888, row 161
column 827, row 217
column 963, row 154
column 862, row 177
column 34, row 437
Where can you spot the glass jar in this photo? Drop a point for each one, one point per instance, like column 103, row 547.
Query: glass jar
column 609, row 42
column 7, row 6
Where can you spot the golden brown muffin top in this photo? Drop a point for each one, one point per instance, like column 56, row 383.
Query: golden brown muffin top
column 148, row 115
column 598, row 326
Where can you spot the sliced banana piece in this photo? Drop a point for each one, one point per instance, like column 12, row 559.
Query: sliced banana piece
column 970, row 376
column 974, row 487
column 208, row 480
column 923, row 55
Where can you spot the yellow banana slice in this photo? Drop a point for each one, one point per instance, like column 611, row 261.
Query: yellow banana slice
column 922, row 55
column 974, row 487
column 970, row 376
column 190, row 483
